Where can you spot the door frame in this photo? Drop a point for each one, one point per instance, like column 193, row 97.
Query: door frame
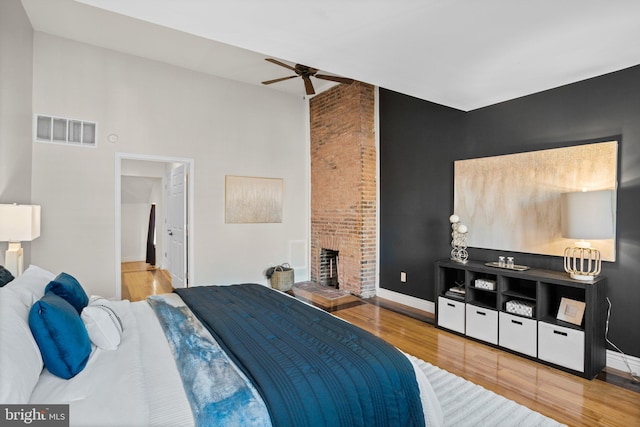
column 189, row 163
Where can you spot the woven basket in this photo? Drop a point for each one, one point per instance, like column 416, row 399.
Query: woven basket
column 282, row 277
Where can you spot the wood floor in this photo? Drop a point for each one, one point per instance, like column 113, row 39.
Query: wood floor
column 564, row 397
column 140, row 280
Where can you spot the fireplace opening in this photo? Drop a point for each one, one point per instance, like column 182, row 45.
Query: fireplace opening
column 329, row 268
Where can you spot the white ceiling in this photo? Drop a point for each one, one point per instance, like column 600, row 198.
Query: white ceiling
column 138, row 189
column 464, row 54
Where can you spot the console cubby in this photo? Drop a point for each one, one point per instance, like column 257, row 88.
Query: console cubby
column 450, row 277
column 481, row 314
column 482, row 298
column 475, row 275
column 549, row 302
column 515, row 288
column 486, row 298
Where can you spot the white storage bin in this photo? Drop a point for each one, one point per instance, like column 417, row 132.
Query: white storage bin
column 451, row 314
column 562, row 346
column 518, row 334
column 482, row 323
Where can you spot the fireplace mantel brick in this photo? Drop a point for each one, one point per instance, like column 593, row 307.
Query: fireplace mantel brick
column 343, row 184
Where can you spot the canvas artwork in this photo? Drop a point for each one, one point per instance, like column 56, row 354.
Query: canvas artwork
column 253, row 200
column 512, row 202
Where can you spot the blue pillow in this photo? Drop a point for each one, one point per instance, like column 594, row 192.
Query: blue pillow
column 61, row 335
column 67, row 287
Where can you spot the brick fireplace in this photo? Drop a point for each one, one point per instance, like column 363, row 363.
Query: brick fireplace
column 343, row 186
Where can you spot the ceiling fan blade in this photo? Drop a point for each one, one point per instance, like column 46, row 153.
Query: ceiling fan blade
column 282, row 64
column 334, row 78
column 268, row 82
column 308, row 85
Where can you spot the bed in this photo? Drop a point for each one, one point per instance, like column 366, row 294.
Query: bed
column 207, row 355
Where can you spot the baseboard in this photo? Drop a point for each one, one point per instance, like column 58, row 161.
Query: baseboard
column 414, row 302
column 615, row 361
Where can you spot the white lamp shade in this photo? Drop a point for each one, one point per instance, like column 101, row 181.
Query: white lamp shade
column 587, row 215
column 19, row 223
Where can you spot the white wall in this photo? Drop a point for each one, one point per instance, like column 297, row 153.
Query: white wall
column 141, row 185
column 16, row 52
column 133, row 235
column 227, row 127
column 135, row 217
column 138, row 194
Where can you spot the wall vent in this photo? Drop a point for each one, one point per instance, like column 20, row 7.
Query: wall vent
column 58, row 130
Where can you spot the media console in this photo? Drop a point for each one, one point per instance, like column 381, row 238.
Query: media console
column 481, row 313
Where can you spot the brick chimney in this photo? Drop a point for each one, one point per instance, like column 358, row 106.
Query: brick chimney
column 343, row 184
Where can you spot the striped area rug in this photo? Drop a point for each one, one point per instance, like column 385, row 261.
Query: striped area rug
column 467, row 404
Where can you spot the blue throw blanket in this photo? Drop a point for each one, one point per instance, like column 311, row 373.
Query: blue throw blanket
column 218, row 393
column 310, row 368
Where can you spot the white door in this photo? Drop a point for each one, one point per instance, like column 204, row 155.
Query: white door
column 177, row 226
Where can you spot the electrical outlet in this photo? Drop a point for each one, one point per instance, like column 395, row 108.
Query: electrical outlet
column 403, row 277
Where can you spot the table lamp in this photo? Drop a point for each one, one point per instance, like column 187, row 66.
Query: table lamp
column 586, row 215
column 18, row 223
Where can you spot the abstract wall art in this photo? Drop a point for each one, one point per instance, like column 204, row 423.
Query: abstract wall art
column 253, row 200
column 512, row 202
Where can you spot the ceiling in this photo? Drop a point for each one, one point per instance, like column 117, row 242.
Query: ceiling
column 138, row 189
column 465, row 54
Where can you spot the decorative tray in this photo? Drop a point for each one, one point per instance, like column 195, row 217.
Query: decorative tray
column 515, row 267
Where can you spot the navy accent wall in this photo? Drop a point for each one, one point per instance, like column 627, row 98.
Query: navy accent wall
column 420, row 140
column 417, row 150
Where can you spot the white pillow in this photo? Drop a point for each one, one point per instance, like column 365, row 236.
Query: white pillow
column 29, row 286
column 20, row 359
column 103, row 323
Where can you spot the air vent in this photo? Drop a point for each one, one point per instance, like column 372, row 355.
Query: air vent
column 59, row 130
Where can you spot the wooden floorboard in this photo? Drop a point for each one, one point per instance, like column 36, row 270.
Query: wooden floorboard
column 564, row 397
column 140, row 280
column 402, row 309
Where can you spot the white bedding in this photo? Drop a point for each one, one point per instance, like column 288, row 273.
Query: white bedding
column 111, row 379
column 138, row 384
column 168, row 404
column 139, row 379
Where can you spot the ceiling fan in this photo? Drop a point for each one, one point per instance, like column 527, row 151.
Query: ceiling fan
column 305, row 72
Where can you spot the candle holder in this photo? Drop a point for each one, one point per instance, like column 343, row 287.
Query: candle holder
column 458, row 240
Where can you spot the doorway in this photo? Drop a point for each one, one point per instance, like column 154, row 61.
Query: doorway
column 167, row 183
